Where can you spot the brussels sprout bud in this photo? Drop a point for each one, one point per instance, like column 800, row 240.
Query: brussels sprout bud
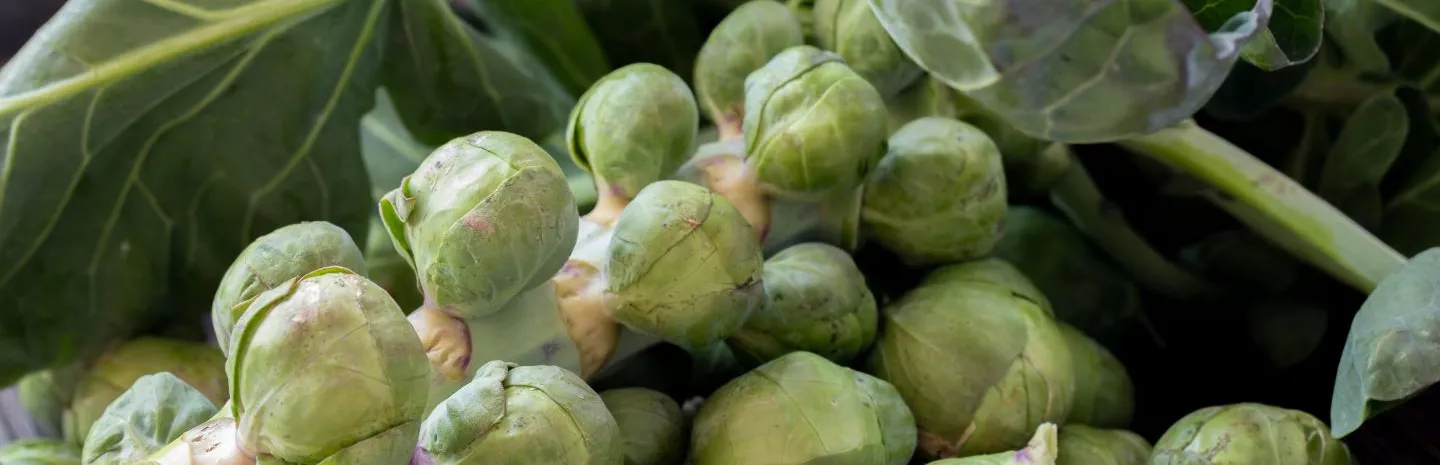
column 272, row 259
column 816, row 301
column 484, row 218
column 812, row 126
column 633, row 127
column 38, row 451
column 1085, row 289
column 926, row 97
column 325, row 367
column 521, row 415
column 683, row 266
column 200, row 365
column 1008, row 368
column 1104, row 396
column 744, row 41
column 938, row 196
column 46, row 394
column 1084, row 445
column 652, row 427
column 803, row 409
column 155, row 410
column 1044, row 449
column 850, row 28
column 1249, row 433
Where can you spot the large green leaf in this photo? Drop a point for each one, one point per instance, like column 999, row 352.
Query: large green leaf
column 449, row 79
column 1291, row 37
column 1391, row 352
column 1425, row 12
column 663, row 32
column 390, row 152
column 146, row 143
column 552, row 31
column 1074, row 70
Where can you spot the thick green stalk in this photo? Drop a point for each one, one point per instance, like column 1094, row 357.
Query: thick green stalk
column 1274, row 205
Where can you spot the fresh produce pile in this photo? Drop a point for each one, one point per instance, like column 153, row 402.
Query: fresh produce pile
column 723, row 232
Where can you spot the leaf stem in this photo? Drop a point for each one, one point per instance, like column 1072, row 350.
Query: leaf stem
column 1076, row 194
column 1275, row 206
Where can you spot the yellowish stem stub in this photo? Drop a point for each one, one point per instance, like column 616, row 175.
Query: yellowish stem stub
column 446, row 340
column 728, row 176
column 580, row 289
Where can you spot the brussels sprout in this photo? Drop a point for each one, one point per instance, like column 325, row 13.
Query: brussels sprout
column 652, row 427
column 633, row 127
column 1084, row 445
column 484, row 218
column 850, row 28
column 46, row 394
column 272, row 259
column 1007, row 365
column 683, row 266
column 743, row 42
column 199, row 365
column 1043, row 449
column 938, row 196
column 325, row 368
column 521, row 415
column 37, row 451
column 816, row 301
column 1104, row 395
column 813, row 127
column 1249, row 433
column 155, row 410
column 389, row 270
column 1085, row 290
column 925, row 97
column 803, row 409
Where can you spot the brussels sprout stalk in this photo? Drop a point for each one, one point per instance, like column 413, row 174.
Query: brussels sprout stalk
column 1274, row 205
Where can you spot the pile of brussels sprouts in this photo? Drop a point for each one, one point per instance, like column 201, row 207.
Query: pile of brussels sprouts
column 546, row 336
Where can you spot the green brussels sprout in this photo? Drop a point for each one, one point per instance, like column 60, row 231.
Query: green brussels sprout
column 813, row 127
column 156, row 410
column 1044, row 449
column 803, row 409
column 200, row 365
column 938, row 196
column 683, row 266
column 652, row 427
column 39, row 451
column 850, row 28
column 325, row 368
column 1084, row 288
column 805, row 12
column 1249, row 433
column 1286, row 330
column 484, row 218
column 633, row 127
column 927, row 96
column 743, row 42
column 272, row 259
column 46, row 394
column 816, row 301
column 1084, row 445
column 1007, row 366
column 1104, row 395
column 521, row 414
column 390, row 270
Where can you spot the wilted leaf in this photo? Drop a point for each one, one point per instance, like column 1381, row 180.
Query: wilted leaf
column 146, row 143
column 1075, row 70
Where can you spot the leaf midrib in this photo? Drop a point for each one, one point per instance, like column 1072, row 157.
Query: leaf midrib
column 244, row 20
